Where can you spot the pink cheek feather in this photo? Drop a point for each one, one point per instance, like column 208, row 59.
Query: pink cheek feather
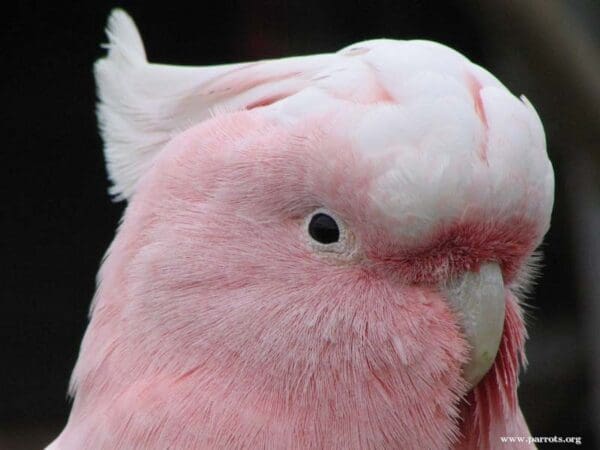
column 314, row 369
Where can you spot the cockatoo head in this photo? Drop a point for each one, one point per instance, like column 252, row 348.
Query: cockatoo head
column 318, row 252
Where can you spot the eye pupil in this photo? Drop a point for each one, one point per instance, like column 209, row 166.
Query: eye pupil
column 324, row 229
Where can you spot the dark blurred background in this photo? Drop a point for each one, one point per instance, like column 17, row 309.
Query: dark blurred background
column 58, row 220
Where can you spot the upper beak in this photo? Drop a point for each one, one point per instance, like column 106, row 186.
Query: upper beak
column 478, row 299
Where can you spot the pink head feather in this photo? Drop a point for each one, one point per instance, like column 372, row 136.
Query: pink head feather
column 218, row 324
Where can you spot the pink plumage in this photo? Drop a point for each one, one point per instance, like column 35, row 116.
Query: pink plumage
column 220, row 321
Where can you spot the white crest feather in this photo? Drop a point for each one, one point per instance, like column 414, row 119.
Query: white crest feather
column 142, row 105
column 422, row 96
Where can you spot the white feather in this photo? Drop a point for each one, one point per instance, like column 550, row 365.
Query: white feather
column 466, row 142
column 142, row 105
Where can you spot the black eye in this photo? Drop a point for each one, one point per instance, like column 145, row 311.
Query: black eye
column 324, row 229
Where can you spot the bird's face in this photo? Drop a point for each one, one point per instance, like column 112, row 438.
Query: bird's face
column 326, row 259
column 289, row 269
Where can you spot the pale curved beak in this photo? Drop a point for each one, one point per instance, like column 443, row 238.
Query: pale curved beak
column 479, row 301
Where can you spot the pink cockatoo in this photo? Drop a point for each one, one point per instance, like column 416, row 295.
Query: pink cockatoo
column 318, row 252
